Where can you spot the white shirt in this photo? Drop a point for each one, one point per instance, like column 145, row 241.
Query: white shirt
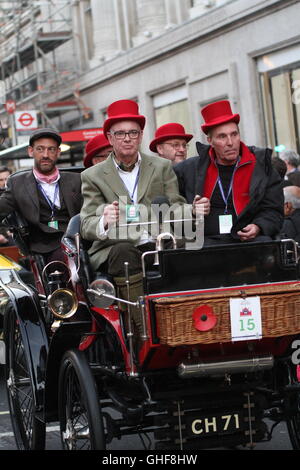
column 49, row 190
column 129, row 179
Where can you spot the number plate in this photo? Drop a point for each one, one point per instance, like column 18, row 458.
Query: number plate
column 214, row 424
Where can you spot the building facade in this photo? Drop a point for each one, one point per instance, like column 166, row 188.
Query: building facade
column 172, row 56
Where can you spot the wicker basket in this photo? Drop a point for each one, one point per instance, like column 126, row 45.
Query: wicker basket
column 280, row 311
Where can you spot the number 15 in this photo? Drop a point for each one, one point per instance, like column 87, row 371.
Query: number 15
column 250, row 325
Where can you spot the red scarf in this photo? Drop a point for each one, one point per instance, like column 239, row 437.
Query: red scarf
column 241, row 182
column 46, row 178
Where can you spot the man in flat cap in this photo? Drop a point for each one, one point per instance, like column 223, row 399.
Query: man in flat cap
column 45, row 197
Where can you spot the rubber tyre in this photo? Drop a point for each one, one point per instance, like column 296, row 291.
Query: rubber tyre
column 81, row 422
column 29, row 431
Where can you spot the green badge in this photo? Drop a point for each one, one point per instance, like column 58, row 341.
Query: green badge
column 53, row 224
column 132, row 213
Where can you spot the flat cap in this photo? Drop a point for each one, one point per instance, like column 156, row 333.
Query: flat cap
column 45, row 132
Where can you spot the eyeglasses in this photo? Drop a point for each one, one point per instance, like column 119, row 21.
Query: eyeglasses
column 104, row 155
column 120, row 135
column 41, row 149
column 177, row 146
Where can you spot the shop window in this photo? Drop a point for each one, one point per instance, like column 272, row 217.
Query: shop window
column 172, row 106
column 282, row 107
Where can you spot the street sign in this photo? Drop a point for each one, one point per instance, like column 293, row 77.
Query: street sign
column 26, row 120
column 10, row 106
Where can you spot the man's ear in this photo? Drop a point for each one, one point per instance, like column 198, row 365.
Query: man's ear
column 159, row 149
column 30, row 151
column 109, row 138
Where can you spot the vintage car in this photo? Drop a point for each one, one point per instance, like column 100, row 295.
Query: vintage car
column 217, row 354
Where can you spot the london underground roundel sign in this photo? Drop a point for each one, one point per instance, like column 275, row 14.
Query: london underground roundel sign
column 26, row 120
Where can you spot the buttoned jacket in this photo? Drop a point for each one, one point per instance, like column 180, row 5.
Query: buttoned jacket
column 22, row 196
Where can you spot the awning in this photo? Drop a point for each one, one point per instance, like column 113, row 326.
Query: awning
column 76, row 139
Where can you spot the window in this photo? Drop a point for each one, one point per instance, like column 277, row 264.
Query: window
column 279, row 87
column 172, row 106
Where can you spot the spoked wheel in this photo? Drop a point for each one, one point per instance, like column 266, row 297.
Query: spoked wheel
column 81, row 422
column 293, row 425
column 28, row 430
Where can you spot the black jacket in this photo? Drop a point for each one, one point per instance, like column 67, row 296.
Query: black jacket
column 22, row 196
column 291, row 226
column 265, row 208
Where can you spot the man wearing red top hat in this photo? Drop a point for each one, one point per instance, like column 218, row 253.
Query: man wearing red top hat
column 117, row 186
column 171, row 142
column 245, row 193
column 96, row 150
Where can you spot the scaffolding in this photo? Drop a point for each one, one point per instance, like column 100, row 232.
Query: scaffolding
column 37, row 56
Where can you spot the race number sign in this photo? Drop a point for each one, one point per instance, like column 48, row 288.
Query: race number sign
column 245, row 318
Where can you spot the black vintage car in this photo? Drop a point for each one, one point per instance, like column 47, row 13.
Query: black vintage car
column 217, row 354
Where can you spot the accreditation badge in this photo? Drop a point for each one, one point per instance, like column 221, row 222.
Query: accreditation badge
column 225, row 223
column 53, row 224
column 132, row 213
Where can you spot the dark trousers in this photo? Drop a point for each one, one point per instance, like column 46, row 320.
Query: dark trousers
column 125, row 252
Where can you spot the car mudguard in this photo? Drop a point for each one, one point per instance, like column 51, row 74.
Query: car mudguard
column 25, row 302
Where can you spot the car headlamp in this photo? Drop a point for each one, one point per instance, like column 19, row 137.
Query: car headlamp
column 101, row 293
column 63, row 303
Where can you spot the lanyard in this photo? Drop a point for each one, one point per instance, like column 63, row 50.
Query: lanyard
column 51, row 203
column 135, row 186
column 225, row 199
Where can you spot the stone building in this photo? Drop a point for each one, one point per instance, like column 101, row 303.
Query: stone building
column 172, row 56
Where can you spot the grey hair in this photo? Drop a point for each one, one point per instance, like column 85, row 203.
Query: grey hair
column 291, row 157
column 210, row 131
column 290, row 196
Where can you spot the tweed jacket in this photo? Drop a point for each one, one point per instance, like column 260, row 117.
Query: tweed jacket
column 101, row 185
column 22, row 196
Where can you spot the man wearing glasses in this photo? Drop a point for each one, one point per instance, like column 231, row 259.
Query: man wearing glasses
column 46, row 197
column 171, row 142
column 114, row 191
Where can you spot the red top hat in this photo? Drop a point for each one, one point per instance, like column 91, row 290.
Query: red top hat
column 169, row 131
column 218, row 113
column 93, row 146
column 123, row 110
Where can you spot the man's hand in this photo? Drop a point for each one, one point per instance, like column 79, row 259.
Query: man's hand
column 111, row 214
column 3, row 239
column 249, row 232
column 201, row 205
